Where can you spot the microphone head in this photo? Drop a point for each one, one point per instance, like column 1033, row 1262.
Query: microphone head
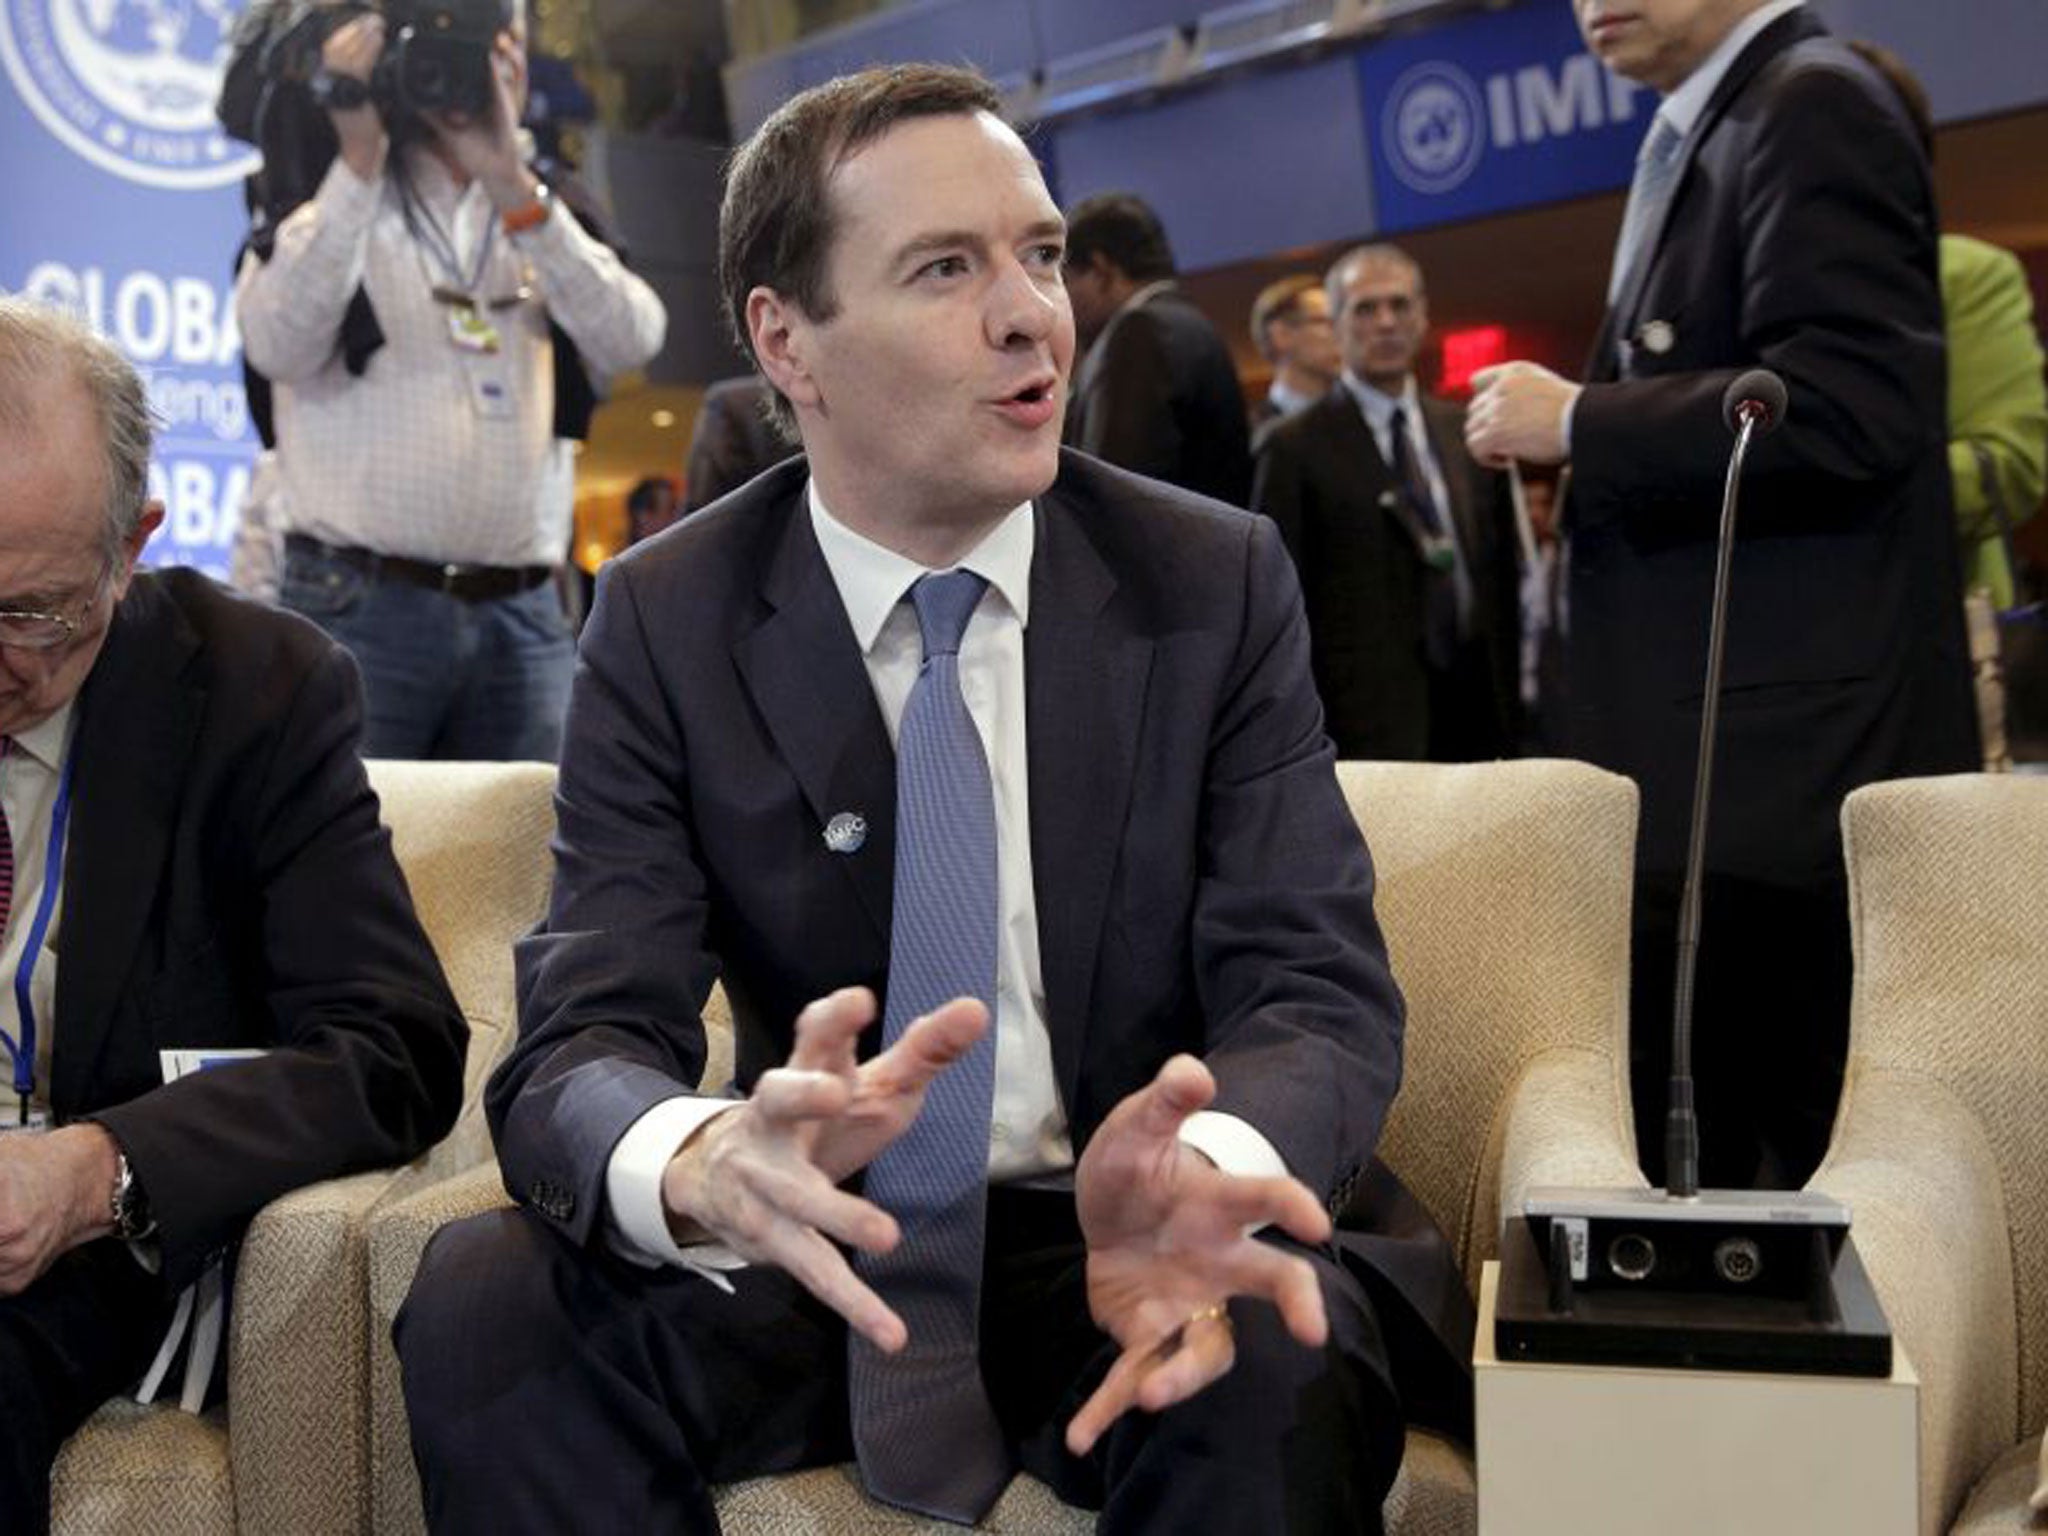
column 1759, row 393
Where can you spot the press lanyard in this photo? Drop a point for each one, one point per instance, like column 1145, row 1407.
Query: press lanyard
column 24, row 1049
column 441, row 245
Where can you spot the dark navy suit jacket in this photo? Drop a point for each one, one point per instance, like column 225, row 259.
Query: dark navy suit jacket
column 1201, row 884
column 1801, row 237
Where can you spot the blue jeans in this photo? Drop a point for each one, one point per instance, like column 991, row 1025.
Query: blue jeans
column 443, row 677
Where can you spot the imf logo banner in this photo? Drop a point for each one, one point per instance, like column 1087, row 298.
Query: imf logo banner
column 1501, row 110
column 123, row 208
column 128, row 84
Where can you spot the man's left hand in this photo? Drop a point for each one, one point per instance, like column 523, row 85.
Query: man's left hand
column 1518, row 412
column 487, row 148
column 56, row 1192
column 1165, row 1231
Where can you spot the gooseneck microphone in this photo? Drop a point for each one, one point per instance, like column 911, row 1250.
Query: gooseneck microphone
column 1753, row 405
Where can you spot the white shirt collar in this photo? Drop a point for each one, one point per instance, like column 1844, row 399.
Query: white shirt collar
column 46, row 743
column 1379, row 407
column 1682, row 108
column 872, row 580
column 1287, row 401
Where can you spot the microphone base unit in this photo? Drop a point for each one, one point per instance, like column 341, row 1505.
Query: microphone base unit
column 1746, row 1280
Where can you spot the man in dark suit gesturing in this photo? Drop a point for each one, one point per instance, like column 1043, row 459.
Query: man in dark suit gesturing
column 1026, row 748
column 182, row 802
column 1406, row 548
column 1781, row 216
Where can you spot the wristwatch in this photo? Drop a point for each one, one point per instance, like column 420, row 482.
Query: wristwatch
column 532, row 213
column 133, row 1220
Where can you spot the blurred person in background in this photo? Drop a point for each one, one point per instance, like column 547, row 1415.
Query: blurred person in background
column 1155, row 390
column 1291, row 327
column 1405, row 547
column 417, row 318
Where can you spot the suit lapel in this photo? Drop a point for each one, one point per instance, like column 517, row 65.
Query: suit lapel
column 1767, row 44
column 1085, row 676
column 138, row 718
column 1358, row 455
column 1442, row 422
column 805, row 674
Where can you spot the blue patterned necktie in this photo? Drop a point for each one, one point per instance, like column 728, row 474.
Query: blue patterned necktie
column 923, row 1429
column 1656, row 172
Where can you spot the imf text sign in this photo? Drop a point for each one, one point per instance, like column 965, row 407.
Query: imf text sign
column 124, row 208
column 1501, row 110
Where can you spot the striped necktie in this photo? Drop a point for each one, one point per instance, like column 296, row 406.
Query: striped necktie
column 923, row 1430
column 1656, row 173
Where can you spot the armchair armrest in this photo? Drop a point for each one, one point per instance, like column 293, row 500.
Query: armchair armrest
column 1929, row 1219
column 398, row 1236
column 300, row 1382
column 1565, row 1121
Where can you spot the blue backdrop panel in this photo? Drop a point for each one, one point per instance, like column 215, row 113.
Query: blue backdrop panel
column 124, row 207
column 1253, row 165
column 1499, row 110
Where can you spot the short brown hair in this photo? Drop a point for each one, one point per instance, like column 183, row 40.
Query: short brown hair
column 1279, row 301
column 776, row 225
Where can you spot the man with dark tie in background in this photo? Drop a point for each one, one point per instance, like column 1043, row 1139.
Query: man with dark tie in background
column 991, row 783
column 186, row 826
column 1406, row 548
column 1781, row 217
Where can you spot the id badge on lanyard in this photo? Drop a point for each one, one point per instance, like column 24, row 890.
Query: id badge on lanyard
column 23, row 1049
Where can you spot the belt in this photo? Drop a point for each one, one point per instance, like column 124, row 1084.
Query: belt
column 465, row 583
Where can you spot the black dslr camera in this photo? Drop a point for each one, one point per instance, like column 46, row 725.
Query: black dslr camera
column 276, row 95
column 437, row 58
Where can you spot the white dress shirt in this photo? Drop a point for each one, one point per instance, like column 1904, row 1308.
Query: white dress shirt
column 29, row 776
column 1028, row 1136
column 407, row 459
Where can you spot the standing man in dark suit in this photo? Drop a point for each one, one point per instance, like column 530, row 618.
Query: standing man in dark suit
column 1406, row 548
column 1156, row 391
column 1169, row 1018
column 184, row 818
column 1782, row 216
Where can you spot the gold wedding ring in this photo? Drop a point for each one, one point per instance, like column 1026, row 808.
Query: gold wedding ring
column 1214, row 1312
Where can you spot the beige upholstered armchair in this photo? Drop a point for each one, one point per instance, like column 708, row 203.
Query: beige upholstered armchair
column 472, row 839
column 1941, row 1144
column 1504, row 891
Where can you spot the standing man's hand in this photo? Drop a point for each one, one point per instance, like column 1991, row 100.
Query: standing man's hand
column 56, row 1191
column 351, row 52
column 486, row 149
column 761, row 1177
column 1165, row 1232
column 1518, row 411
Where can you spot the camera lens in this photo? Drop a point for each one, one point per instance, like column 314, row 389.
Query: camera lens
column 1631, row 1256
column 1738, row 1260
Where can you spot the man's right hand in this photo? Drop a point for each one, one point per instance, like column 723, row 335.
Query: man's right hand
column 352, row 51
column 762, row 1177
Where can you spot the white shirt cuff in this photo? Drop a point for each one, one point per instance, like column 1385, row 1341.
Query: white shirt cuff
column 636, row 1221
column 1564, row 420
column 1232, row 1145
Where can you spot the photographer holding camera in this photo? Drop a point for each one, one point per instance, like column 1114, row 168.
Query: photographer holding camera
column 426, row 318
